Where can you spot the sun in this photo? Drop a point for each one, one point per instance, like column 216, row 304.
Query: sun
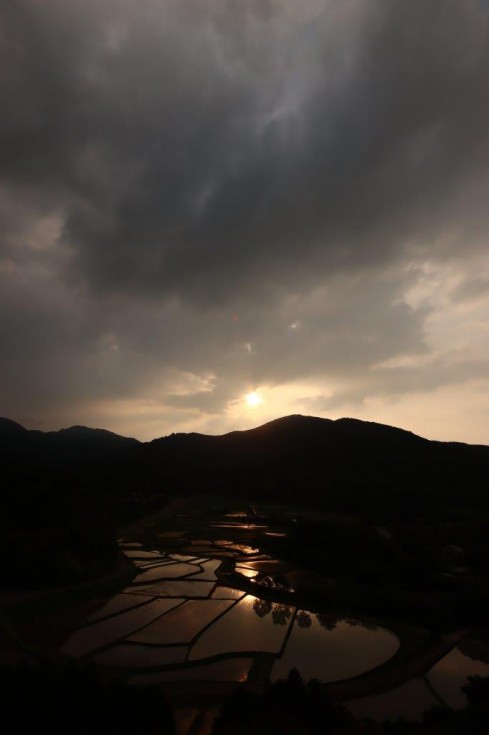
column 253, row 399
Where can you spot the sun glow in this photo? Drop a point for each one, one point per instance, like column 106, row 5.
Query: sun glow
column 253, row 399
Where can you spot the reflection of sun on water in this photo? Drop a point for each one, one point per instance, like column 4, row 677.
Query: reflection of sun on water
column 253, row 399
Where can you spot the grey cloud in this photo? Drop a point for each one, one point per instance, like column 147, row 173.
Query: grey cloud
column 473, row 287
column 393, row 384
column 182, row 181
column 183, row 171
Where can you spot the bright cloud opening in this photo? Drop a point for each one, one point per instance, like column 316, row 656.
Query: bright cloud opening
column 253, row 399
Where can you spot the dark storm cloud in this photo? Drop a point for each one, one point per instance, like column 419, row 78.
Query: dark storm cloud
column 196, row 146
column 182, row 182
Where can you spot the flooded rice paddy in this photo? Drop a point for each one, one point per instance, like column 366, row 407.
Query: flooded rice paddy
column 177, row 611
column 212, row 617
column 441, row 686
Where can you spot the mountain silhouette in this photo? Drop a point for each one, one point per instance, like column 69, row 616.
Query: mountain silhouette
column 296, row 458
column 76, row 442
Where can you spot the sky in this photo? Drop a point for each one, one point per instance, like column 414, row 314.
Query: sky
column 217, row 212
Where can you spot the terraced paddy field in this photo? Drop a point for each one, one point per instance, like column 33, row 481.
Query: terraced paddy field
column 203, row 610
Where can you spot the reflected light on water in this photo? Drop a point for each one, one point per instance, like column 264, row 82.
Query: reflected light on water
column 250, row 573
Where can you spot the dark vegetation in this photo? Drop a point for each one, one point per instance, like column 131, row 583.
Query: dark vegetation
column 68, row 699
column 67, row 494
column 333, row 464
column 428, row 570
column 51, row 537
column 62, row 504
column 337, row 465
column 288, row 706
column 294, row 706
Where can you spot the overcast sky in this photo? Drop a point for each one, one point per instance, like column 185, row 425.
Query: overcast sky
column 203, row 199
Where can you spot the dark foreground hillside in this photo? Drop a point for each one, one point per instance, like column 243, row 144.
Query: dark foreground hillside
column 322, row 462
column 66, row 493
column 294, row 459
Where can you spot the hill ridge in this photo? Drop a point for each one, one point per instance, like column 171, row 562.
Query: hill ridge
column 7, row 424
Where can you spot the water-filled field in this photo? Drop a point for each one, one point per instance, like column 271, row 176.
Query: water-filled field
column 211, row 616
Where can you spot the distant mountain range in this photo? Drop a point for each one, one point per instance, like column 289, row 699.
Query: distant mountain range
column 295, row 458
column 77, row 442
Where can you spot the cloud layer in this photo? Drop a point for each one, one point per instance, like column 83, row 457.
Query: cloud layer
column 202, row 199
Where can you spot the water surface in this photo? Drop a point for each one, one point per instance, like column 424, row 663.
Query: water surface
column 183, row 623
column 243, row 629
column 112, row 629
column 450, row 674
column 334, row 654
column 410, row 701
